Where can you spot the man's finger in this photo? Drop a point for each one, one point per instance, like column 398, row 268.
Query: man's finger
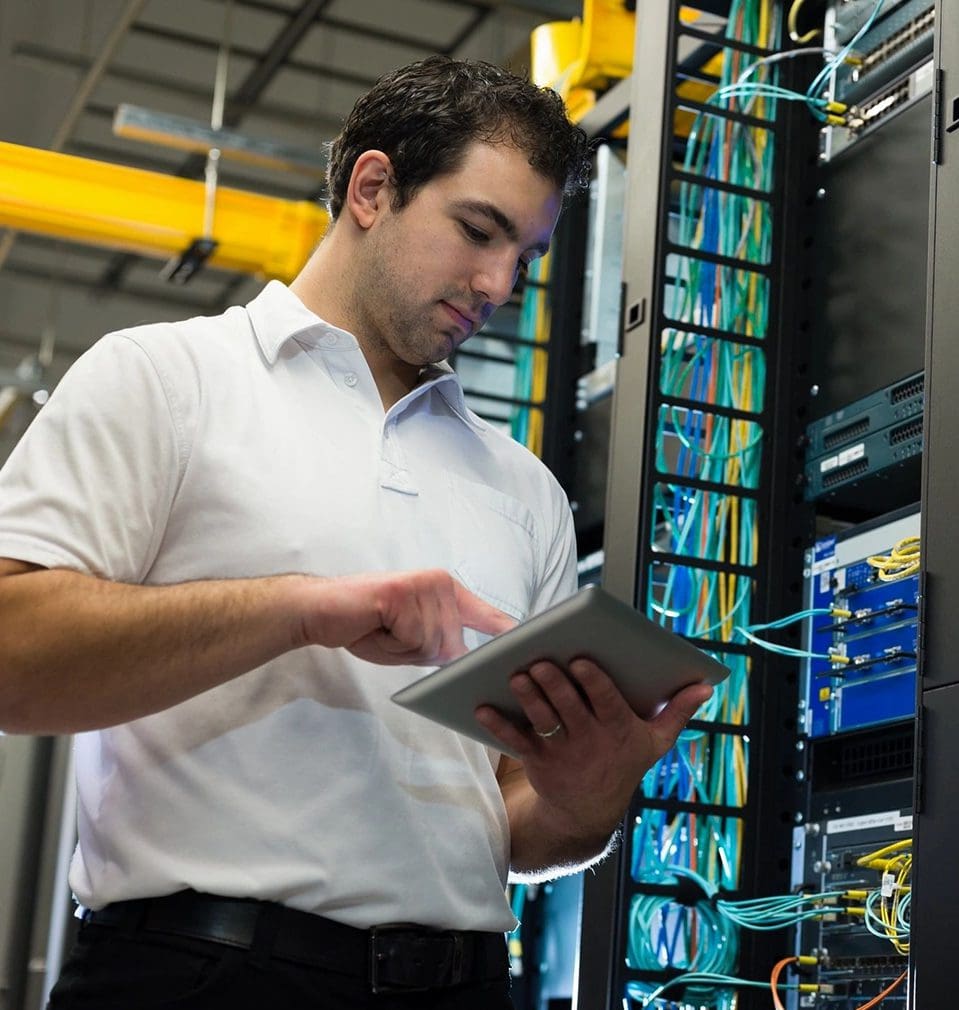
column 453, row 646
column 480, row 615
column 503, row 730
column 671, row 721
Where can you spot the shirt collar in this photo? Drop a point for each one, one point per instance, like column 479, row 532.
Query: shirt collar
column 277, row 315
column 447, row 383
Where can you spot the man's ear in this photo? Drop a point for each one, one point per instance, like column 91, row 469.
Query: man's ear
column 368, row 191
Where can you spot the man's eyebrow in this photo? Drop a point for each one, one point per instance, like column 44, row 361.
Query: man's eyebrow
column 491, row 211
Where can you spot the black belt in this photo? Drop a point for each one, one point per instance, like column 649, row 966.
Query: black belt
column 394, row 958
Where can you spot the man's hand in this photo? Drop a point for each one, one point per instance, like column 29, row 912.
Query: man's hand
column 584, row 756
column 400, row 617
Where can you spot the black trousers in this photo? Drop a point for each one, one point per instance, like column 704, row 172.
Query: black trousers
column 108, row 970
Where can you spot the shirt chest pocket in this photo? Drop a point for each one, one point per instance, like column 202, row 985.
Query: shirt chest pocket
column 493, row 545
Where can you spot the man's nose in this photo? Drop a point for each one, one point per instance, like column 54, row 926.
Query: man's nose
column 496, row 279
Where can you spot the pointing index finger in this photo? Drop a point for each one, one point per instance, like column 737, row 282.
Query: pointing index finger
column 476, row 613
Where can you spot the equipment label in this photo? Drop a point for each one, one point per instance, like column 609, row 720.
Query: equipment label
column 895, row 819
column 853, row 453
column 824, row 555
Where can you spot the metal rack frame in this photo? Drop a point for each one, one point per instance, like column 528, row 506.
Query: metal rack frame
column 936, row 809
column 785, row 522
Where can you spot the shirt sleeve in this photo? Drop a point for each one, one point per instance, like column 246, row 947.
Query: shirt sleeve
column 90, row 485
column 558, row 575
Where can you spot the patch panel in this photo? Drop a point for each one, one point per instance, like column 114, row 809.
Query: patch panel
column 900, row 39
column 898, row 402
column 893, row 66
column 873, row 679
column 890, row 457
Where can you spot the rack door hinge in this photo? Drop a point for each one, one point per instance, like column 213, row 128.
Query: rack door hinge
column 937, row 90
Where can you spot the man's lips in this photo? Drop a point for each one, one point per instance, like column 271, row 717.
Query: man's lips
column 468, row 323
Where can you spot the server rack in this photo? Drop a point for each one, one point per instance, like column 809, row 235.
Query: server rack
column 807, row 192
column 631, row 555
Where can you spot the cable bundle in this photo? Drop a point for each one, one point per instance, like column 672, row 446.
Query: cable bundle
column 901, row 562
column 888, row 906
column 712, row 377
column 701, row 523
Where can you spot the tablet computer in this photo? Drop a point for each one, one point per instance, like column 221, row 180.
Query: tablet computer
column 648, row 662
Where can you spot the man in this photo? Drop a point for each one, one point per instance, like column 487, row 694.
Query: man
column 182, row 530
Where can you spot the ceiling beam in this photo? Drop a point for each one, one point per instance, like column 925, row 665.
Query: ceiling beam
column 239, row 104
column 50, row 56
column 181, row 38
column 273, row 8
column 380, row 34
column 479, row 16
column 277, row 53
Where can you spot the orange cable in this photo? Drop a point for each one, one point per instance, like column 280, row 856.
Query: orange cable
column 876, row 1000
column 774, row 979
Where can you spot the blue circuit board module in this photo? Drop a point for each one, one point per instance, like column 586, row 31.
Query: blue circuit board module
column 873, row 637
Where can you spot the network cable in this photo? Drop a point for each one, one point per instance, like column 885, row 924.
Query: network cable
column 821, row 80
column 698, row 931
column 888, row 906
column 901, row 562
column 835, row 657
column 791, row 20
column 715, row 978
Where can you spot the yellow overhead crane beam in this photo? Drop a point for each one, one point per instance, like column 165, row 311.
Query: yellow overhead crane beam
column 153, row 214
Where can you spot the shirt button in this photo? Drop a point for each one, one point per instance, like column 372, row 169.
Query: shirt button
column 350, row 379
column 329, row 340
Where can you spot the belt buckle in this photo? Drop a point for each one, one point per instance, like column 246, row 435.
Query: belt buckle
column 408, row 958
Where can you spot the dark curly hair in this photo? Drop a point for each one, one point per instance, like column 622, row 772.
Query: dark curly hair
column 425, row 115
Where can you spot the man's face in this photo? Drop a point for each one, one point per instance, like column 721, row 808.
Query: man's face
column 436, row 269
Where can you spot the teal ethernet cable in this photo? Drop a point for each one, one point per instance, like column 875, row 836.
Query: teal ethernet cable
column 822, row 78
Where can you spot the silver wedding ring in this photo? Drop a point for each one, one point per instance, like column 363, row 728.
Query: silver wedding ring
column 551, row 732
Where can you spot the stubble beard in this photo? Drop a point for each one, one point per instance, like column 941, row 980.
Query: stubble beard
column 410, row 331
column 396, row 325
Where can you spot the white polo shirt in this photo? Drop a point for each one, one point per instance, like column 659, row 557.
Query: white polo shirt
column 255, row 443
